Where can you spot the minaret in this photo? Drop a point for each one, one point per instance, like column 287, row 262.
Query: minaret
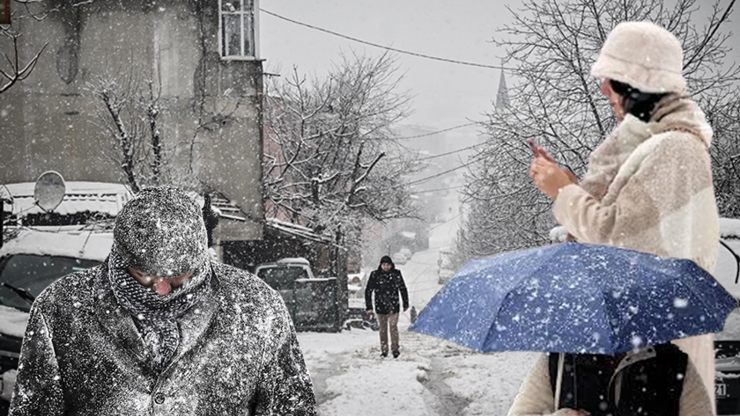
column 502, row 97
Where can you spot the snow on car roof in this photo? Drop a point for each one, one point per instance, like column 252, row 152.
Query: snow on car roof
column 79, row 196
column 729, row 228
column 86, row 245
column 727, row 266
column 294, row 260
column 12, row 321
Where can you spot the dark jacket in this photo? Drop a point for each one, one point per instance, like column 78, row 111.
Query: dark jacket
column 238, row 354
column 386, row 286
column 648, row 382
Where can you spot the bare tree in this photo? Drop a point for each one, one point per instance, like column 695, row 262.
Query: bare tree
column 130, row 116
column 129, row 110
column 15, row 70
column 551, row 46
column 725, row 153
column 331, row 158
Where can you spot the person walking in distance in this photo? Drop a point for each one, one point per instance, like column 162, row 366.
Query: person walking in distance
column 386, row 282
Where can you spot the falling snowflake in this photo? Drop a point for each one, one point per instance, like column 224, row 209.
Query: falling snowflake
column 680, row 303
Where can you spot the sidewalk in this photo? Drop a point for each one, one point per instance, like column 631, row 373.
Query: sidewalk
column 431, row 377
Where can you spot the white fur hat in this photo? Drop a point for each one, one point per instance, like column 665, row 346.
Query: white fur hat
column 643, row 55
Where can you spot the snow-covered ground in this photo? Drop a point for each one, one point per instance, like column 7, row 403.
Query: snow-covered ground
column 431, row 377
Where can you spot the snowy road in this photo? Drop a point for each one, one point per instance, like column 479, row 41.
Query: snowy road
column 431, row 377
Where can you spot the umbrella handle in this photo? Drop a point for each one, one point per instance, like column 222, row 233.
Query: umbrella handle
column 559, row 381
column 737, row 260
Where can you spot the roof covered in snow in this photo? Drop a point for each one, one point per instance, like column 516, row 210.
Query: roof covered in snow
column 296, row 230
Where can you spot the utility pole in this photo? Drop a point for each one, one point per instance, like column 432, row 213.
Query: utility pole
column 2, row 220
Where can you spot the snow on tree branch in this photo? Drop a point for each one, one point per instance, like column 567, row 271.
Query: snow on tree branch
column 327, row 142
column 16, row 71
column 552, row 45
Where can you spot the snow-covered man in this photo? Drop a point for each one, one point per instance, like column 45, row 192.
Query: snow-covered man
column 386, row 282
column 160, row 329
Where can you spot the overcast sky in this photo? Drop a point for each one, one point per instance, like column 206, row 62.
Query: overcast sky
column 445, row 94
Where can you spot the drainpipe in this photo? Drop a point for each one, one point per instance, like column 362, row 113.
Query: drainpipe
column 2, row 220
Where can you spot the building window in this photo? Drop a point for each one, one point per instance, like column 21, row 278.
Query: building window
column 238, row 34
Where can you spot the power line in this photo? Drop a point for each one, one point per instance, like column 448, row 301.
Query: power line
column 448, row 153
column 436, row 132
column 443, row 223
column 419, row 55
column 472, row 160
column 423, row 191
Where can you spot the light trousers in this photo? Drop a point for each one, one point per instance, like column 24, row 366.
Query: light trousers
column 385, row 321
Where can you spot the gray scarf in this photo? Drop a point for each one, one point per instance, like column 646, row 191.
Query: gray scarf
column 156, row 316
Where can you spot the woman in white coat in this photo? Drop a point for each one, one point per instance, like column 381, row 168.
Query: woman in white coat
column 649, row 184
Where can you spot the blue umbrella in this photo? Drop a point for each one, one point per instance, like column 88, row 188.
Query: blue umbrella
column 575, row 298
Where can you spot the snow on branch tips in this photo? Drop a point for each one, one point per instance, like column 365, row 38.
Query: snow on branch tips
column 327, row 139
column 551, row 96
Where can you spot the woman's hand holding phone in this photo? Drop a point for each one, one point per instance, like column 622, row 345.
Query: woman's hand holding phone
column 539, row 151
column 547, row 176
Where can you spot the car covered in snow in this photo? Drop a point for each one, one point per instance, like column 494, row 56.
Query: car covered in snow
column 311, row 301
column 727, row 342
column 29, row 262
column 406, row 252
column 43, row 243
column 727, row 379
column 446, row 266
column 399, row 258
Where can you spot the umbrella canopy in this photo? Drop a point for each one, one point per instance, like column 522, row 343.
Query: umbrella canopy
column 576, row 298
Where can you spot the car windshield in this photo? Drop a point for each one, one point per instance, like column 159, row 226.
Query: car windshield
column 33, row 274
column 281, row 278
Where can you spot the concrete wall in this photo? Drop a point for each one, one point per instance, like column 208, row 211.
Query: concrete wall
column 50, row 120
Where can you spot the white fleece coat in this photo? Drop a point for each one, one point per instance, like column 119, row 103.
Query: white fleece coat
column 649, row 188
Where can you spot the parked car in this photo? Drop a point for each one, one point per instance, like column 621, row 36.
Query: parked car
column 355, row 287
column 727, row 342
column 311, row 301
column 446, row 267
column 399, row 258
column 357, row 316
column 43, row 245
column 406, row 252
column 30, row 262
column 727, row 380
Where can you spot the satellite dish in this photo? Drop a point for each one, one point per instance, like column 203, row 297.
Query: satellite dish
column 49, row 190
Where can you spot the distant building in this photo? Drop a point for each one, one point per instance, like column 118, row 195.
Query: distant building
column 502, row 96
column 203, row 58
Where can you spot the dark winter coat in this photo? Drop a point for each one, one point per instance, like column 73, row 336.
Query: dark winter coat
column 238, row 354
column 386, row 286
column 649, row 382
